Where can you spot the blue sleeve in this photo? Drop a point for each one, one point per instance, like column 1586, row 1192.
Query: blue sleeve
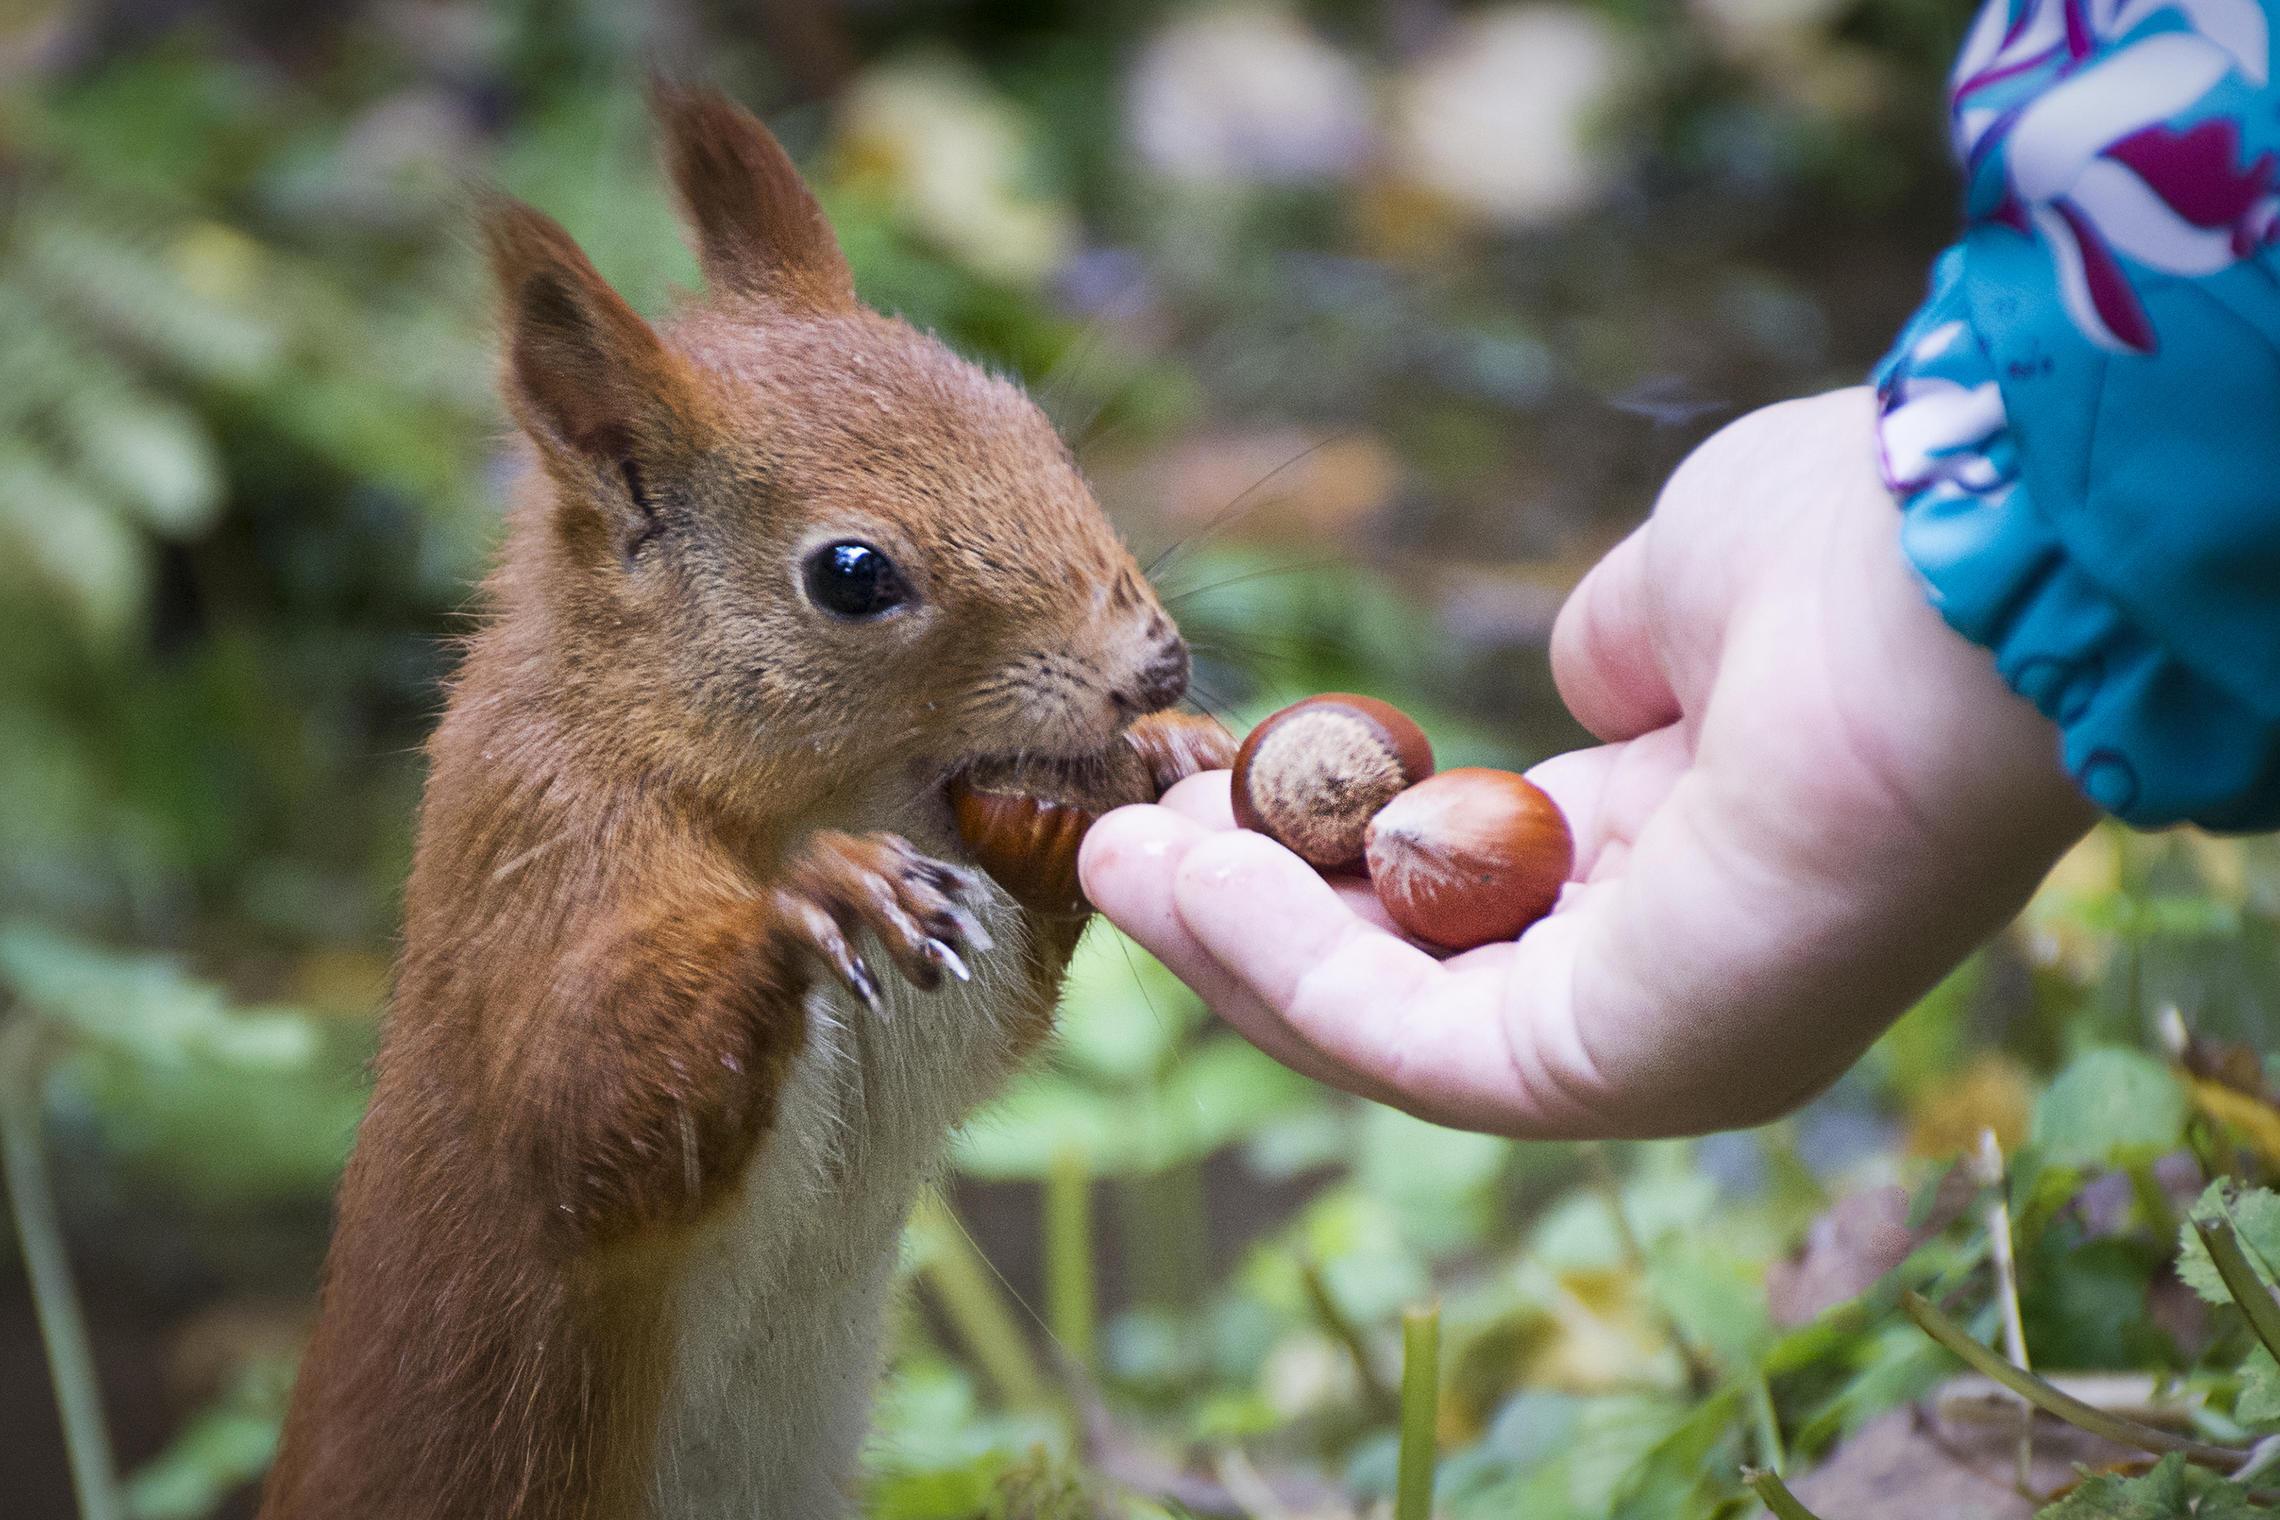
column 2082, row 424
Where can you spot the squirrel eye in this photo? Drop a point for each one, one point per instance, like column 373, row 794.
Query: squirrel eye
column 851, row 579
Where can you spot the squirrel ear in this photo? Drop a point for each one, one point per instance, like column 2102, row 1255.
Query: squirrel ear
column 584, row 372
column 759, row 230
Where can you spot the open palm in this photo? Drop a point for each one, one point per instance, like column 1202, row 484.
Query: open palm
column 1813, row 800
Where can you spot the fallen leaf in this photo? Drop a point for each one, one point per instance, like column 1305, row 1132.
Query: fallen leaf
column 1862, row 1237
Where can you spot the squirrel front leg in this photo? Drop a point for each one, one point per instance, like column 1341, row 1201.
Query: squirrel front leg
column 687, row 1023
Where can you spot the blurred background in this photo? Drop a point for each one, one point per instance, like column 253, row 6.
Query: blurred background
column 1380, row 319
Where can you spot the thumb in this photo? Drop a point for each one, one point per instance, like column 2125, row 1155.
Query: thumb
column 1604, row 659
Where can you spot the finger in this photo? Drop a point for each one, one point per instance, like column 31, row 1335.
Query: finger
column 1604, row 659
column 1205, row 798
column 1128, row 865
column 1610, row 793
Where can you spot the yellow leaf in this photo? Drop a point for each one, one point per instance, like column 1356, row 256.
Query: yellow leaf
column 1992, row 1092
column 2252, row 1117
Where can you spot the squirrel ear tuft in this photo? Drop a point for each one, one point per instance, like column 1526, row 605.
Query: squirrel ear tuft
column 584, row 373
column 759, row 230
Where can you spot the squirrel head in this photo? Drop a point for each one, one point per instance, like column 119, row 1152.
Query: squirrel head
column 783, row 534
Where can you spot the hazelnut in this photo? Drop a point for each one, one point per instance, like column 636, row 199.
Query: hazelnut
column 1470, row 857
column 1176, row 745
column 1027, row 843
column 1311, row 776
column 1023, row 822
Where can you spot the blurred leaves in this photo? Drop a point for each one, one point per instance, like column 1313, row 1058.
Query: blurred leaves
column 2110, row 1106
column 224, row 1447
column 231, row 1106
column 1132, row 1092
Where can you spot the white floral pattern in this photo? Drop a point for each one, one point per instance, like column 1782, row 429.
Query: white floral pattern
column 2090, row 106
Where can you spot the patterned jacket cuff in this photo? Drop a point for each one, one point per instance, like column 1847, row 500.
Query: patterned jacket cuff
column 2145, row 737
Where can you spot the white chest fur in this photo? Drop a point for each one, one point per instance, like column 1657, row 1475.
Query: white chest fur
column 779, row 1305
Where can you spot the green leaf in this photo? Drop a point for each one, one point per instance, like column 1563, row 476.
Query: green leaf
column 143, row 1006
column 2085, row 1300
column 2158, row 1495
column 1717, row 1301
column 221, row 1450
column 1217, row 1094
column 1442, row 1183
column 142, row 298
column 2255, row 1215
column 1612, row 1455
column 232, row 1105
column 2258, row 1402
column 2171, row 1491
column 76, row 545
column 1694, row 1463
column 152, row 454
column 2111, row 1105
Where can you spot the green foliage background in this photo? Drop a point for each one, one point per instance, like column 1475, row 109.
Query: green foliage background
column 249, row 459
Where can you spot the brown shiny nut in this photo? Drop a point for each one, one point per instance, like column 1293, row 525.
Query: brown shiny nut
column 1027, row 844
column 1311, row 776
column 1176, row 745
column 1469, row 857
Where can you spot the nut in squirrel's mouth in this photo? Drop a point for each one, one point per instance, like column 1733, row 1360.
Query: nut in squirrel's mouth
column 1138, row 765
column 1025, row 817
column 1091, row 784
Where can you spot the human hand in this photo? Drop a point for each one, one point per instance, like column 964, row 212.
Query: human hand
column 1813, row 800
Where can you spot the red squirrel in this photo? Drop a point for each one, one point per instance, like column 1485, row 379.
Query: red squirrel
column 696, row 976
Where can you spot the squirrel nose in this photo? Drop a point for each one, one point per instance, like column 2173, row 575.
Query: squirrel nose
column 1157, row 684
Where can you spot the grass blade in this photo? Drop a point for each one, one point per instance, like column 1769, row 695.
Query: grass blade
column 2099, row 1422
column 1775, row 1495
column 63, row 1329
column 1420, row 1411
column 1069, row 1296
column 962, row 1285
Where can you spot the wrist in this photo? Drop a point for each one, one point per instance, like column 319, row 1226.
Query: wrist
column 1986, row 766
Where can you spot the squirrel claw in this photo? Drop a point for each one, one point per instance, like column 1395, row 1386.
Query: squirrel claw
column 970, row 930
column 948, row 959
column 951, row 881
column 847, row 883
column 859, row 981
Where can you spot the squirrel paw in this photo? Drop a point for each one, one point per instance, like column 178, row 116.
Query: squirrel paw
column 917, row 907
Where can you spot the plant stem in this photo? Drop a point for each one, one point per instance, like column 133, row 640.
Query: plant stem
column 1768, row 1423
column 1382, row 1400
column 2099, row 1422
column 63, row 1329
column 960, row 1278
column 1701, row 1377
column 1988, row 1168
column 2247, row 1289
column 1069, row 1299
column 1420, row 1411
column 1166, row 1233
column 1775, row 1495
